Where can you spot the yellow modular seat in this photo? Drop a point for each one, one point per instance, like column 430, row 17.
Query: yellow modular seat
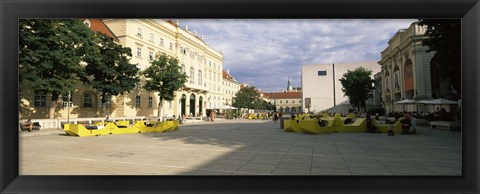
column 351, row 115
column 176, row 125
column 169, row 125
column 121, row 128
column 359, row 125
column 148, row 127
column 82, row 131
column 291, row 125
column 397, row 126
column 312, row 126
column 66, row 128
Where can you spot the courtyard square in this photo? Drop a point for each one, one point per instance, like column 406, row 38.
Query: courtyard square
column 241, row 147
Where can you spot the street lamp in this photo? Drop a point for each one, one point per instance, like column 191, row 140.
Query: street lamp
column 68, row 106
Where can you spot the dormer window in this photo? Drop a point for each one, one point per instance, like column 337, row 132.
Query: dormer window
column 87, row 23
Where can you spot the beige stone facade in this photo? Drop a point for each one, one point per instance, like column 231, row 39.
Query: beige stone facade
column 230, row 87
column 405, row 68
column 202, row 64
column 146, row 37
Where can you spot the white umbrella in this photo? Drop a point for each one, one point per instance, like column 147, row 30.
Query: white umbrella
column 441, row 101
column 406, row 101
column 224, row 107
column 423, row 102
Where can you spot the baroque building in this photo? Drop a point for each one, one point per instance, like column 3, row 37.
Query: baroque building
column 82, row 102
column 230, row 87
column 205, row 86
column 201, row 63
column 289, row 100
column 405, row 67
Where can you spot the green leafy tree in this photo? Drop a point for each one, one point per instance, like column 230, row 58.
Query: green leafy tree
column 50, row 54
column 110, row 72
column 444, row 37
column 247, row 97
column 357, row 85
column 164, row 76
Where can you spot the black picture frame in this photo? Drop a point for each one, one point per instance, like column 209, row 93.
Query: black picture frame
column 11, row 11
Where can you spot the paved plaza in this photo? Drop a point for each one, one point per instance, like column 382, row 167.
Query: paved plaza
column 241, row 147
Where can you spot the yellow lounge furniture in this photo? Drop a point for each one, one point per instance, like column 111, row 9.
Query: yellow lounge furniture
column 312, row 126
column 383, row 128
column 359, row 125
column 290, row 125
column 151, row 127
column 82, row 131
column 120, row 128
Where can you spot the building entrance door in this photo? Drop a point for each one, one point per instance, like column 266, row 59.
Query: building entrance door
column 192, row 104
column 183, row 104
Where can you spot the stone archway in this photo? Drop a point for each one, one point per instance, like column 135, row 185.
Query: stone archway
column 200, row 106
column 183, row 104
column 408, row 83
column 192, row 104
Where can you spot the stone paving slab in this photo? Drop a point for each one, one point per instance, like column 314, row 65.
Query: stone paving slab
column 241, row 147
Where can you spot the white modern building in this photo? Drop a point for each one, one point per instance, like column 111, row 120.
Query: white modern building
column 321, row 87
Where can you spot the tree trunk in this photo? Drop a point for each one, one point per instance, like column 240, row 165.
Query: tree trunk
column 53, row 106
column 104, row 106
column 160, row 107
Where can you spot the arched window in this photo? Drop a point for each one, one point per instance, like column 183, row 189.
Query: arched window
column 396, row 72
column 192, row 75
column 200, row 77
column 387, row 82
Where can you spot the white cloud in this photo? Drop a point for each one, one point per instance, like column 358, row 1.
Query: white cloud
column 265, row 52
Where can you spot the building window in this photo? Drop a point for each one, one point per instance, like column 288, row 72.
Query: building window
column 170, row 104
column 87, row 23
column 183, row 68
column 322, row 73
column 397, row 84
column 150, row 102
column 151, row 37
column 65, row 101
column 171, row 46
column 286, row 102
column 137, row 101
column 139, row 32
column 40, row 99
column 280, row 102
column 161, row 42
column 293, row 101
column 192, row 75
column 200, row 77
column 139, row 52
column 150, row 55
column 87, row 100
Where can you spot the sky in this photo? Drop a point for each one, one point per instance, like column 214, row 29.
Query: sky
column 265, row 52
